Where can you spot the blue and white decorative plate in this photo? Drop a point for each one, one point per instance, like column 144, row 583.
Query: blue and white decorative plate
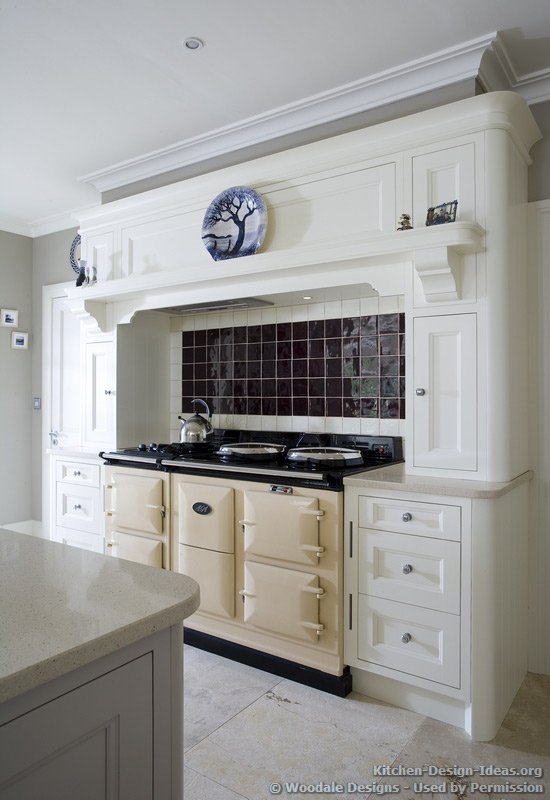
column 74, row 253
column 234, row 224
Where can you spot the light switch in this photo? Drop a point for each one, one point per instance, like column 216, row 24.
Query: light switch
column 37, row 403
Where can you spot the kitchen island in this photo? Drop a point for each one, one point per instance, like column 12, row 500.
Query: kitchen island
column 91, row 681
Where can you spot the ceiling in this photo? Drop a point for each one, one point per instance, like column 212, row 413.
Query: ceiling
column 107, row 91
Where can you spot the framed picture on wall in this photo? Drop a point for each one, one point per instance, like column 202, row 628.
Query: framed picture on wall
column 20, row 340
column 9, row 317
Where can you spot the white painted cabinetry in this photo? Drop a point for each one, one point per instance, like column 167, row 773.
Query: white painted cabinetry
column 77, row 511
column 99, row 410
column 436, row 598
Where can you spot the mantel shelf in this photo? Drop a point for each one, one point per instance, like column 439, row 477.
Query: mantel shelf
column 436, row 252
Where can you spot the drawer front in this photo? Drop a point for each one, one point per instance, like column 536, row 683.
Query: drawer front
column 404, row 516
column 206, row 516
column 78, row 507
column 412, row 640
column 135, row 548
column 82, row 473
column 86, row 541
column 215, row 574
column 282, row 601
column 410, row 569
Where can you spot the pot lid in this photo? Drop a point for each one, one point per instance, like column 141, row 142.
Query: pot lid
column 251, row 448
column 336, row 455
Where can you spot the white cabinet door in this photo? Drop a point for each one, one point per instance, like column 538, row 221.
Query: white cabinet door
column 100, row 393
column 62, row 369
column 444, row 392
column 441, row 176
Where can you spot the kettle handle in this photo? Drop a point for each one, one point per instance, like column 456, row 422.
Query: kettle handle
column 205, row 404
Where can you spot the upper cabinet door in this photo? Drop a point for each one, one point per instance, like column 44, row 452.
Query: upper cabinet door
column 444, row 392
column 441, row 176
column 100, row 393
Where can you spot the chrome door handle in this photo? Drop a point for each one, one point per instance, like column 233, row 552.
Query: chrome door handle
column 406, row 638
column 407, row 569
column 420, row 392
column 312, row 548
column 407, row 516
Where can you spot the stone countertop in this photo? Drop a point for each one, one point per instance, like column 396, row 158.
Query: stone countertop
column 395, row 478
column 63, row 607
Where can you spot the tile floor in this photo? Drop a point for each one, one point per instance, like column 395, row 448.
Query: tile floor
column 246, row 729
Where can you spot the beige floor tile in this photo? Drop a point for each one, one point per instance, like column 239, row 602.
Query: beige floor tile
column 197, row 787
column 215, row 690
column 446, row 748
column 295, row 733
column 527, row 724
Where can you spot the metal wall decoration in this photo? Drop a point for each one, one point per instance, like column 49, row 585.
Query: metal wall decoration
column 438, row 215
column 74, row 253
column 234, row 224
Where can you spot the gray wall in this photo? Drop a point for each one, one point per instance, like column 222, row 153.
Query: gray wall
column 15, row 386
column 50, row 264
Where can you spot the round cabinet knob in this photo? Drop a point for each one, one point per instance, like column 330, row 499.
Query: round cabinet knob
column 76, row 473
column 109, row 544
column 420, row 392
column 108, row 391
column 406, row 638
column 77, row 507
column 407, row 569
column 407, row 517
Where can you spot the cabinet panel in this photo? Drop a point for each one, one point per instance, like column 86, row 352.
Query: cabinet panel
column 213, row 530
column 98, row 250
column 410, row 516
column 441, row 176
column 93, row 742
column 445, row 392
column 410, row 569
column 283, row 527
column 215, row 574
column 78, row 507
column 282, row 601
column 415, row 641
column 100, row 385
column 63, row 374
column 135, row 548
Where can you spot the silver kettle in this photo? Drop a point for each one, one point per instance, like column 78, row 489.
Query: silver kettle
column 196, row 428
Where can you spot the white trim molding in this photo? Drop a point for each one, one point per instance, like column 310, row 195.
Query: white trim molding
column 497, row 72
column 436, row 70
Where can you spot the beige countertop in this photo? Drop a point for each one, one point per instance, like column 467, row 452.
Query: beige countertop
column 395, row 478
column 63, row 607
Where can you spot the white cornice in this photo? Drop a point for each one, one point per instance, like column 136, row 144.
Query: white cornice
column 15, row 226
column 415, row 77
column 500, row 73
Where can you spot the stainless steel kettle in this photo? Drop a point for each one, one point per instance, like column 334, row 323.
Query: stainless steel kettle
column 196, row 428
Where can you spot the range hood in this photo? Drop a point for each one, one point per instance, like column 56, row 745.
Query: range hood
column 221, row 305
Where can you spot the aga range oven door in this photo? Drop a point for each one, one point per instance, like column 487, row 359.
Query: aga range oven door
column 283, row 590
column 203, row 524
column 136, row 515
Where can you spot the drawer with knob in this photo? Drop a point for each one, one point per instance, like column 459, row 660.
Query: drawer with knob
column 410, row 569
column 411, row 640
column 411, row 517
column 78, row 507
column 81, row 472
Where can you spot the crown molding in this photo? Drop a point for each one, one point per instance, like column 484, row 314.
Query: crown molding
column 498, row 72
column 439, row 69
column 18, row 227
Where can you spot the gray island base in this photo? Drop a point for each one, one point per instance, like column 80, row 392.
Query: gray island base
column 91, row 674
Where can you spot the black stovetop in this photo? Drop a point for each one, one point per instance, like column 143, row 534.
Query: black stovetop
column 203, row 459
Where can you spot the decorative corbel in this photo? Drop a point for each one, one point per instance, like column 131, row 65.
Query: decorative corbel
column 440, row 273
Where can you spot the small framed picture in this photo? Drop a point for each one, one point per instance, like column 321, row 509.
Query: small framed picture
column 20, row 340
column 9, row 317
column 438, row 215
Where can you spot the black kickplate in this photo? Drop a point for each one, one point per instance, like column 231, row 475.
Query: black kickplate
column 339, row 685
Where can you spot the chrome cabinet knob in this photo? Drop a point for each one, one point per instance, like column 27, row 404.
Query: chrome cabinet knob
column 108, row 391
column 407, row 569
column 406, row 638
column 77, row 507
column 420, row 392
column 407, row 517
column 76, row 473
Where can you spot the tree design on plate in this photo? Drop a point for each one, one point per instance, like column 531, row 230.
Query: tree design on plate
column 234, row 224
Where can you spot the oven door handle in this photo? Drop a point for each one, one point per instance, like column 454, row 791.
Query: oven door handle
column 312, row 512
column 316, row 590
column 318, row 549
column 244, row 593
column 314, row 626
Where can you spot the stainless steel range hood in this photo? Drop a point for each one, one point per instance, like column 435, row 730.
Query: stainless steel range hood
column 222, row 305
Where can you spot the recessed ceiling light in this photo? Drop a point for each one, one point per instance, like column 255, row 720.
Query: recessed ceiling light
column 307, row 297
column 192, row 43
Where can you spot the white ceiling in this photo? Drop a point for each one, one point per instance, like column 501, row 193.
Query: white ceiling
column 87, row 84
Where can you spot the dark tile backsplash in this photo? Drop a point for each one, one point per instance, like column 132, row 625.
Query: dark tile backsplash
column 346, row 367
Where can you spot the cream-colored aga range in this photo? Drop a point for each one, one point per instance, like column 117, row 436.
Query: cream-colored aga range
column 268, row 562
